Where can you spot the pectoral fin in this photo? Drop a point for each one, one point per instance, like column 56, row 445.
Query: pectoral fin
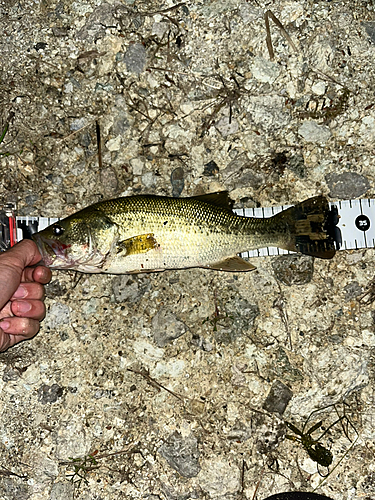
column 137, row 244
column 232, row 264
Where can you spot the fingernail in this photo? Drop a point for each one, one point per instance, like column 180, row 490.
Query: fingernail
column 23, row 306
column 20, row 293
column 4, row 325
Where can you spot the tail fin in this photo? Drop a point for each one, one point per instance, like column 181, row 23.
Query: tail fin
column 310, row 228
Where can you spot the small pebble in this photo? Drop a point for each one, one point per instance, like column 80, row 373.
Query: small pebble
column 177, row 181
column 49, row 393
column 293, row 269
column 182, row 454
column 166, row 327
column 278, row 398
column 347, row 185
column 311, row 131
column 211, row 168
column 135, row 58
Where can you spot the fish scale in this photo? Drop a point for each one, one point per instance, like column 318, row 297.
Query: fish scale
column 189, row 235
column 153, row 233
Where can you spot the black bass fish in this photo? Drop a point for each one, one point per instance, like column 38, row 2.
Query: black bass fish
column 153, row 233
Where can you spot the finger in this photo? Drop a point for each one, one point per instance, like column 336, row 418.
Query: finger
column 6, row 311
column 23, row 254
column 34, row 309
column 12, row 264
column 41, row 274
column 14, row 330
column 29, row 291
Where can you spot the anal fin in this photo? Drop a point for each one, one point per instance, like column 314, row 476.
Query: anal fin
column 233, row 264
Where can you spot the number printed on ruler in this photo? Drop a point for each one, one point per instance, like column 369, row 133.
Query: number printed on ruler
column 356, row 223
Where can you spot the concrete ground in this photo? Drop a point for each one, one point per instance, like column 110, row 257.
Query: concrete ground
column 178, row 385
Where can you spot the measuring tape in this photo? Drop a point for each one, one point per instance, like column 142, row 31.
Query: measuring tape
column 14, row 228
column 355, row 223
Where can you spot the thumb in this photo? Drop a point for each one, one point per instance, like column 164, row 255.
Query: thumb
column 23, row 254
column 12, row 264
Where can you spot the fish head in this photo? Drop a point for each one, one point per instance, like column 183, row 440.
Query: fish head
column 77, row 242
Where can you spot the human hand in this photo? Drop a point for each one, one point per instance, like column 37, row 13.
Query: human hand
column 21, row 293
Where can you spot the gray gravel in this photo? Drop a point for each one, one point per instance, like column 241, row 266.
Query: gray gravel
column 178, row 383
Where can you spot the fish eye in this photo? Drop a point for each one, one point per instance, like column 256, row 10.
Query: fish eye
column 57, row 230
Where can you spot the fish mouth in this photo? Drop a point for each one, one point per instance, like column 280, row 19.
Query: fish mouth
column 55, row 256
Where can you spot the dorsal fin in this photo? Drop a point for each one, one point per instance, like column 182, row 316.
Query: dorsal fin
column 220, row 199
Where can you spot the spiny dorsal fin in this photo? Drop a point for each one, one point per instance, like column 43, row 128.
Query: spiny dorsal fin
column 220, row 199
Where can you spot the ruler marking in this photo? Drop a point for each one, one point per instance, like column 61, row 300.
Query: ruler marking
column 364, row 232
